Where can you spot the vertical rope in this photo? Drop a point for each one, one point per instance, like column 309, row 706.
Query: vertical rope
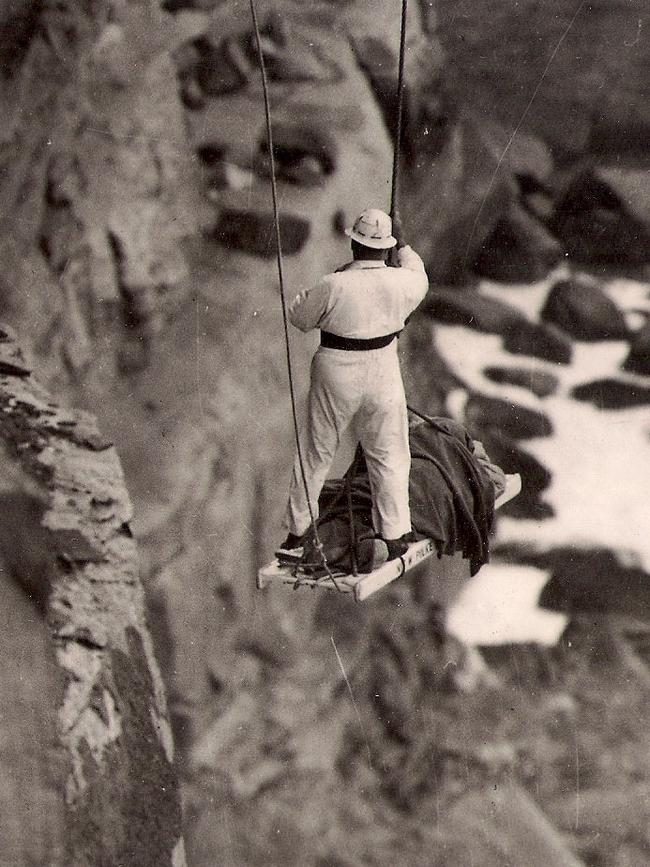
column 397, row 152
column 280, row 266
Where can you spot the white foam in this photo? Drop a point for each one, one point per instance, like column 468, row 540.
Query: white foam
column 499, row 606
column 599, row 459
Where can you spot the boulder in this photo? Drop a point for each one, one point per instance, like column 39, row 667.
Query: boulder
column 595, row 226
column 612, row 393
column 540, row 382
column 638, row 359
column 519, row 249
column 217, row 70
column 593, row 580
column 539, row 340
column 535, row 477
column 472, row 309
column 584, row 311
column 511, row 419
column 304, row 154
column 254, row 233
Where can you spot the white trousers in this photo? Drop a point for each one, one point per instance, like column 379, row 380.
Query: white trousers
column 363, row 390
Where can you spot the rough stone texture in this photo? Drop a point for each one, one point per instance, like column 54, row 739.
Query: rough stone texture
column 217, row 70
column 463, row 174
column 105, row 781
column 584, row 311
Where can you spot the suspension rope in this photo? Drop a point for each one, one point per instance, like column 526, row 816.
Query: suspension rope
column 276, row 223
column 397, row 152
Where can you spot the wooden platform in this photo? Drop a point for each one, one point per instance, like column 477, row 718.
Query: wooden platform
column 363, row 586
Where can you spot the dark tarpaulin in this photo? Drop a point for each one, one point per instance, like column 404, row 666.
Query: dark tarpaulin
column 451, row 491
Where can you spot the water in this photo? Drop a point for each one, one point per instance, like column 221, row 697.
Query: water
column 600, row 461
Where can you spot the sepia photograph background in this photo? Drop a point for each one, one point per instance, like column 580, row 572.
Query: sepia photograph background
column 156, row 708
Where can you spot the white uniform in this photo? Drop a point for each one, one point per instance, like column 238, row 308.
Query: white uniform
column 360, row 388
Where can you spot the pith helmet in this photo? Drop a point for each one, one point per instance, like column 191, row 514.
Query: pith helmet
column 373, row 228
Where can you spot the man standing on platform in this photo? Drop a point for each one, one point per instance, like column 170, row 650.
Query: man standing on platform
column 356, row 380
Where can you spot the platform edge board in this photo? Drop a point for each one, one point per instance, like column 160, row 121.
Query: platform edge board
column 513, row 487
column 275, row 573
column 394, row 569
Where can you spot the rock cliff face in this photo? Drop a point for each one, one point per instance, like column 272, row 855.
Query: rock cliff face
column 87, row 747
column 138, row 270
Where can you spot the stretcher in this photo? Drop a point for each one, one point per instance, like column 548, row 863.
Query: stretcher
column 288, row 571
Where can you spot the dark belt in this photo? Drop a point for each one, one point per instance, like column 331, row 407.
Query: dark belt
column 355, row 344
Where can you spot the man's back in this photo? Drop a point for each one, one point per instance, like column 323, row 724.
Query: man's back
column 364, row 300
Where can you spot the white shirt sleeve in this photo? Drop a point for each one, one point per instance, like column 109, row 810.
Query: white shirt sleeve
column 308, row 307
column 408, row 258
column 416, row 287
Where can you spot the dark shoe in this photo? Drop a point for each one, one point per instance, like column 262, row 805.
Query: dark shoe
column 291, row 549
column 297, row 546
column 398, row 547
column 292, row 542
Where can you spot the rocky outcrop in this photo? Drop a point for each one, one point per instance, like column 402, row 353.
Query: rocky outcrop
column 255, row 233
column 101, row 765
column 590, row 580
column 519, row 249
column 514, row 420
column 613, row 393
column 584, row 311
column 540, row 382
column 471, row 309
column 536, row 478
column 539, row 340
column 594, row 224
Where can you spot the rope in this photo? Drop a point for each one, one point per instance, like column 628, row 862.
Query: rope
column 397, row 153
column 352, row 530
column 276, row 223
